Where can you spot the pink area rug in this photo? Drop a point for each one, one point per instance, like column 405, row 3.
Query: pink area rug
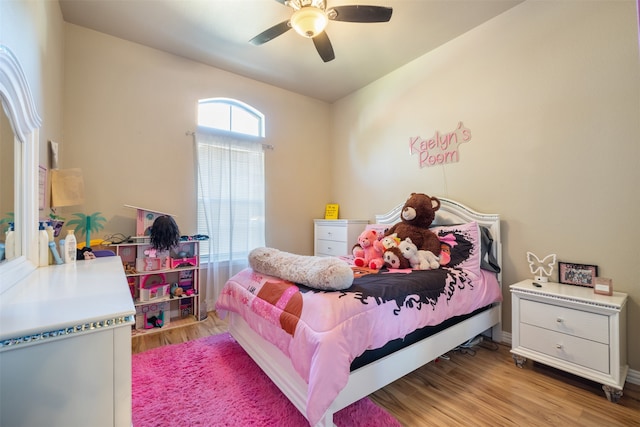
column 213, row 382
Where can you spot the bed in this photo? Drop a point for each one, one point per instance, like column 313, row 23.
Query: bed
column 470, row 303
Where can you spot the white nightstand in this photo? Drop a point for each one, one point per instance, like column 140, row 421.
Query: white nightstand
column 336, row 237
column 572, row 329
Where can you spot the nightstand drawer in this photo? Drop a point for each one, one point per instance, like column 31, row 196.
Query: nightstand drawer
column 331, row 248
column 581, row 324
column 328, row 232
column 592, row 355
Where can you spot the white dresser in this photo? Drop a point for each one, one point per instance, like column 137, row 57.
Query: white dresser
column 65, row 347
column 571, row 328
column 336, row 237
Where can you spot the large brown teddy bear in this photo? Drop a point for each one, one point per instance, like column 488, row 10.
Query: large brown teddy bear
column 418, row 213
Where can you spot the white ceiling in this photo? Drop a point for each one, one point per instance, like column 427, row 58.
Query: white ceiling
column 217, row 32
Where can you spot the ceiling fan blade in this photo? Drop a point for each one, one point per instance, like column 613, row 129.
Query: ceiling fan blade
column 323, row 46
column 360, row 13
column 271, row 33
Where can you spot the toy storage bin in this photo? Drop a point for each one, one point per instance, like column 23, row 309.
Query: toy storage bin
column 186, row 308
column 181, row 262
column 153, row 316
column 151, row 264
column 155, row 292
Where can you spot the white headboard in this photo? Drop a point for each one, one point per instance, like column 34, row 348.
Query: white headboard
column 452, row 212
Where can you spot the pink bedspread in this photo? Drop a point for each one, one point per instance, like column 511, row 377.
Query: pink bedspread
column 323, row 332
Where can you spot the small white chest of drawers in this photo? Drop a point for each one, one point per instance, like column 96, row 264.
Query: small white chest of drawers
column 572, row 329
column 336, row 237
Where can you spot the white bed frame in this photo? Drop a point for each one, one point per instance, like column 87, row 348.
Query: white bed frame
column 378, row 374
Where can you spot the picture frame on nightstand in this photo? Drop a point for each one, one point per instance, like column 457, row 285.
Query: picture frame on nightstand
column 603, row 286
column 577, row 274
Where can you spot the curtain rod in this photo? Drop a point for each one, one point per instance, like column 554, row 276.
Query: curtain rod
column 265, row 146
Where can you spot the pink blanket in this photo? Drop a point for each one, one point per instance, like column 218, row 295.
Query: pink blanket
column 322, row 332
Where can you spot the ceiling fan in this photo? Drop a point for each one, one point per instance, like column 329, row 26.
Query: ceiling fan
column 310, row 18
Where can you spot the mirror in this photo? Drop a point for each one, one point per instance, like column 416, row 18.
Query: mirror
column 7, row 141
column 20, row 113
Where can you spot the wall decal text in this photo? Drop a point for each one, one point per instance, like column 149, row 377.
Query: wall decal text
column 441, row 148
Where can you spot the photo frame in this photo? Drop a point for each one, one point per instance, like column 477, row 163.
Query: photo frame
column 42, row 187
column 577, row 274
column 603, row 286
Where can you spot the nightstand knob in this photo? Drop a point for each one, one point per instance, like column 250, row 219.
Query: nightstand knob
column 559, row 320
column 559, row 346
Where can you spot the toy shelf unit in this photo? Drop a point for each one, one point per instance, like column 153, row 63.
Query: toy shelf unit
column 164, row 285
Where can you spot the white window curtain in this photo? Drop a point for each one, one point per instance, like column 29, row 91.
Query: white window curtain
column 231, row 204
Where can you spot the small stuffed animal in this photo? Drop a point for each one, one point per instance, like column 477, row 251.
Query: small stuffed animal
column 393, row 258
column 366, row 253
column 419, row 260
column 418, row 213
column 387, row 242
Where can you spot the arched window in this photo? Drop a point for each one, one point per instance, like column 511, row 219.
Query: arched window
column 230, row 115
column 231, row 201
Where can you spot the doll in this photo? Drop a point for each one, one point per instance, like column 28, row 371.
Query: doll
column 164, row 233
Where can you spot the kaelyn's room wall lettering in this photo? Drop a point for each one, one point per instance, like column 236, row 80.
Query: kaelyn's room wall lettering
column 441, row 148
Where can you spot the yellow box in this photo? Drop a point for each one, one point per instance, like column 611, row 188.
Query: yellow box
column 331, row 211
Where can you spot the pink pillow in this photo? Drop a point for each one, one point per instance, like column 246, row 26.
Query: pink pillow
column 464, row 243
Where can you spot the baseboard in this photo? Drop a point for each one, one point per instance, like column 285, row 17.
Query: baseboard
column 506, row 338
column 633, row 376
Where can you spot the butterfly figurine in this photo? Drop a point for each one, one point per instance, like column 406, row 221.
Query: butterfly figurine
column 537, row 266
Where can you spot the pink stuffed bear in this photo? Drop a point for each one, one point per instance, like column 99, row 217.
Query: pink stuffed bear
column 366, row 252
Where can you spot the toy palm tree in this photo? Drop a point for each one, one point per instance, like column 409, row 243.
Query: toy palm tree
column 7, row 219
column 87, row 224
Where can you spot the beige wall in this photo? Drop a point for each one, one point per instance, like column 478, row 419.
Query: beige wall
column 33, row 31
column 551, row 94
column 127, row 109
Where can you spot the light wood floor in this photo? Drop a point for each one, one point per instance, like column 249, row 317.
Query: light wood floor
column 478, row 388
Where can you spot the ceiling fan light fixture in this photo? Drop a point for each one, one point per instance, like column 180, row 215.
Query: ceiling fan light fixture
column 309, row 21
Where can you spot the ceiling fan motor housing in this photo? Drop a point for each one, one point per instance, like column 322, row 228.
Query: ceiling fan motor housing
column 309, row 21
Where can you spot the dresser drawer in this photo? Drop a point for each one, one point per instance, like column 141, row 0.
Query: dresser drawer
column 590, row 354
column 336, row 237
column 581, row 324
column 331, row 248
column 332, row 232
